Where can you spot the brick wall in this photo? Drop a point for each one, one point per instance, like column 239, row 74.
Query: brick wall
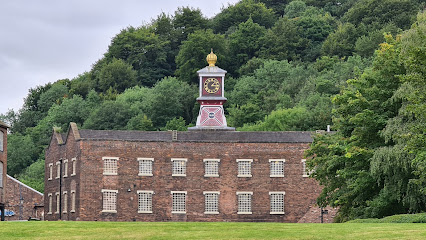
column 300, row 192
column 21, row 200
column 3, row 161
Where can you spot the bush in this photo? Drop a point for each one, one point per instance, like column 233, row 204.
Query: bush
column 401, row 218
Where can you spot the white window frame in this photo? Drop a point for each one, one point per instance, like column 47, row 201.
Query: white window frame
column 271, row 168
column 108, row 205
column 57, row 202
column 72, row 201
column 176, row 171
column 65, row 168
column 240, row 206
column 74, row 166
column 215, row 172
column 273, row 209
column 175, row 205
column 305, row 171
column 148, row 201
column 145, row 172
column 50, row 171
column 207, row 204
column 65, row 197
column 110, row 170
column 50, row 203
column 242, row 161
column 1, row 141
column 58, row 170
column 1, row 174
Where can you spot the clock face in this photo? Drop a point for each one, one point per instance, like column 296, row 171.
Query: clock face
column 211, row 85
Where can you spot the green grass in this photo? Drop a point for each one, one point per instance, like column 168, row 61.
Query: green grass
column 192, row 230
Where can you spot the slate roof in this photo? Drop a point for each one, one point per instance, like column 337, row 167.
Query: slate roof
column 199, row 136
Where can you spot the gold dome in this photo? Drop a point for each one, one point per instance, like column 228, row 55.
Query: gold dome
column 211, row 59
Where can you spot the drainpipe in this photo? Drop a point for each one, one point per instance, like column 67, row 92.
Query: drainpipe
column 2, row 212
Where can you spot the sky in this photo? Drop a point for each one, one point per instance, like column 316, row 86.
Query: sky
column 43, row 41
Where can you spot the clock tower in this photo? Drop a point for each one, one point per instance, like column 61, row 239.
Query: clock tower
column 211, row 99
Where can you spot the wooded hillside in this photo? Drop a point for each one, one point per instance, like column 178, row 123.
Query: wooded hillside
column 358, row 65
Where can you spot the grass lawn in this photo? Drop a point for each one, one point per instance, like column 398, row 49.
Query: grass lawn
column 193, row 230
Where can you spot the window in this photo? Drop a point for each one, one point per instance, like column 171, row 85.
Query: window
column 50, row 171
column 277, row 167
column 244, row 167
column 57, row 202
column 145, row 201
column 211, row 167
column 277, row 202
column 66, row 168
column 1, row 174
column 65, row 207
column 1, row 141
column 74, row 166
column 58, row 170
column 109, row 200
column 211, row 200
column 145, row 166
column 305, row 170
column 110, row 165
column 72, row 201
column 179, row 201
column 50, row 203
column 179, row 167
column 244, row 202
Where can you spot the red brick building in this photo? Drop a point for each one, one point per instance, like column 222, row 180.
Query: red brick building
column 22, row 201
column 3, row 167
column 179, row 176
column 210, row 173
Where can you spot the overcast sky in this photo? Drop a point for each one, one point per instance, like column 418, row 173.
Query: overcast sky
column 42, row 41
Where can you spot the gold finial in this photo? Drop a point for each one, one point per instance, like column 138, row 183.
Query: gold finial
column 211, row 59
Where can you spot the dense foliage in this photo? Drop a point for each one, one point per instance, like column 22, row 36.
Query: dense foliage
column 292, row 65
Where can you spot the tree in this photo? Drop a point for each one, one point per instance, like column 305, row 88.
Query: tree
column 244, row 43
column 21, row 153
column 34, row 175
column 177, row 124
column 171, row 98
column 140, row 122
column 141, row 48
column 283, row 41
column 241, row 12
column 341, row 42
column 188, row 20
column 117, row 75
column 110, row 115
column 193, row 52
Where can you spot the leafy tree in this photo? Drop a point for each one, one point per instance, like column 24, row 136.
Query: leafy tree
column 82, row 84
column 56, row 93
column 34, row 175
column 341, row 42
column 193, row 52
column 283, row 41
column 145, row 51
column 292, row 119
column 171, row 98
column 380, row 12
column 367, row 44
column 140, row 122
column 188, row 20
column 117, row 75
column 277, row 5
column 241, row 12
column 245, row 42
column 110, row 115
column 20, row 153
column 362, row 172
column 178, row 124
column 295, row 9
